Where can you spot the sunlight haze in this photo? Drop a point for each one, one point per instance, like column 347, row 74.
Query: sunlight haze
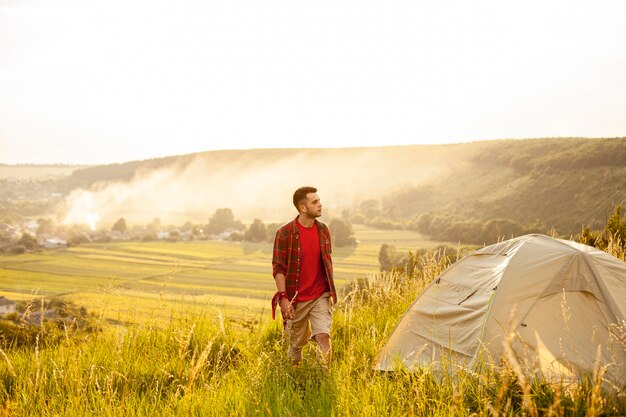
column 113, row 81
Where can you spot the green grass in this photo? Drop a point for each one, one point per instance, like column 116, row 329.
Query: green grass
column 195, row 339
column 130, row 281
column 200, row 363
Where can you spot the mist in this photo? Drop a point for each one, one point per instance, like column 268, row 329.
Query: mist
column 254, row 184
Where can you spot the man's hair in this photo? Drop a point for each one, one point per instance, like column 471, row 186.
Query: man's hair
column 300, row 195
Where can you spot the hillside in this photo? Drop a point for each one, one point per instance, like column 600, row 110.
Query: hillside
column 35, row 171
column 537, row 184
column 561, row 183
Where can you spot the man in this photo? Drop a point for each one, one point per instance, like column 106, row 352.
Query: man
column 303, row 270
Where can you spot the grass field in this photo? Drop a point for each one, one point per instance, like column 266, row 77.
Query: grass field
column 195, row 366
column 135, row 282
column 197, row 340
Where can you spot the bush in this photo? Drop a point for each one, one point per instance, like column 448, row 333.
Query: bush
column 611, row 239
column 17, row 249
column 77, row 240
column 28, row 241
column 149, row 237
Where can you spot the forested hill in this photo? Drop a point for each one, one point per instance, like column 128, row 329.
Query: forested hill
column 541, row 183
column 536, row 184
column 561, row 184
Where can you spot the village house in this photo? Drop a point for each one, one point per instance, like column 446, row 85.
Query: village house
column 54, row 242
column 6, row 306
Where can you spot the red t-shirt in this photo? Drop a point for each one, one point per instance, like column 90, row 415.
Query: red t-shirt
column 312, row 276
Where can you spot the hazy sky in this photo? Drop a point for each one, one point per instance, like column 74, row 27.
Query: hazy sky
column 95, row 81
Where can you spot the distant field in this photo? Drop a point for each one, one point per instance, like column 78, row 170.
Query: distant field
column 36, row 171
column 135, row 282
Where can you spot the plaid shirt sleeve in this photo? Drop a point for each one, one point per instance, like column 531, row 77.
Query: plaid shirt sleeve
column 326, row 248
column 285, row 258
column 279, row 257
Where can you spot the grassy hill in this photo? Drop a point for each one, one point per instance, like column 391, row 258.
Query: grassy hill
column 561, row 183
column 538, row 184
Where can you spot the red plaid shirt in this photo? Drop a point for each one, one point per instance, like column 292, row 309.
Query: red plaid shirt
column 286, row 258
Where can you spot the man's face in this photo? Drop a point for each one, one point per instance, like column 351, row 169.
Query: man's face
column 313, row 205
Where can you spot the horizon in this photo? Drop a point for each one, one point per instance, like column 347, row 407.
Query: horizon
column 86, row 165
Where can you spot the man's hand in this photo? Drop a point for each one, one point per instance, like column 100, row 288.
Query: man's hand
column 286, row 309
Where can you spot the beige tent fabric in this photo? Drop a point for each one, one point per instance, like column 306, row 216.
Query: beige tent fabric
column 558, row 305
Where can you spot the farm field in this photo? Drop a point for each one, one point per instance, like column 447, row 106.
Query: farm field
column 133, row 282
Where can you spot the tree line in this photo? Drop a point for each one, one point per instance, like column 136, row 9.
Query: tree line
column 221, row 225
column 612, row 238
column 440, row 226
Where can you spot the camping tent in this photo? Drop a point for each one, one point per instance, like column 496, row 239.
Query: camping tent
column 559, row 305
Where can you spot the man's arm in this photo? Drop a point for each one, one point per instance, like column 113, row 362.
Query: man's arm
column 286, row 308
column 279, row 265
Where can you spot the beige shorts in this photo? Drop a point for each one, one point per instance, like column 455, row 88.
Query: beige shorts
column 312, row 317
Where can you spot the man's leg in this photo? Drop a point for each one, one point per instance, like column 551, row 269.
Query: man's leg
column 298, row 331
column 323, row 346
column 321, row 320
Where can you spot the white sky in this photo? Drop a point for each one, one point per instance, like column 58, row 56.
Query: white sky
column 93, row 81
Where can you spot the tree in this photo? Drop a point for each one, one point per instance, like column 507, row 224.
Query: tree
column 28, row 241
column 187, row 227
column 615, row 227
column 236, row 237
column 270, row 231
column 76, row 240
column 257, row 231
column 45, row 226
column 388, row 257
column 496, row 229
column 149, row 237
column 370, row 208
column 174, row 236
column 614, row 230
column 155, row 226
column 424, row 222
column 197, row 231
column 341, row 232
column 120, row 225
column 222, row 219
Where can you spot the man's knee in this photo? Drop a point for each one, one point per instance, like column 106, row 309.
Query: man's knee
column 322, row 338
